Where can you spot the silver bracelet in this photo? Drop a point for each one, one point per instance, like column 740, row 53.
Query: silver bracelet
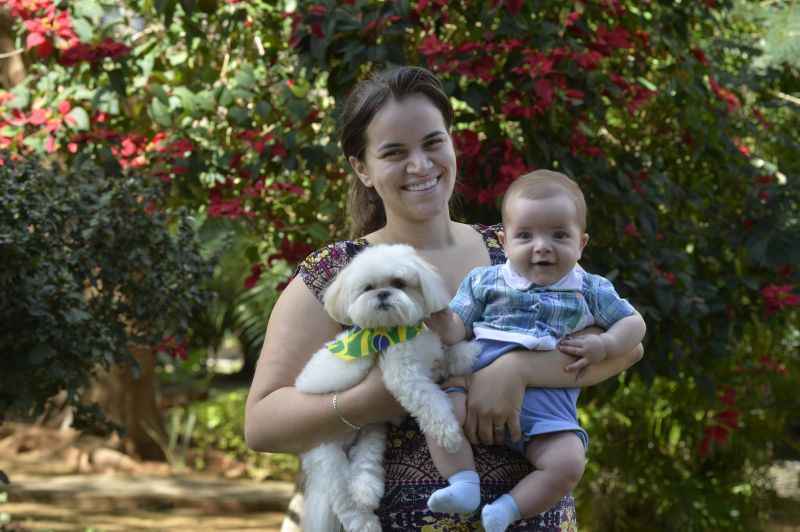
column 341, row 417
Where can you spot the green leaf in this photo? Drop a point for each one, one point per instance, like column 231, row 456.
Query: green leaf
column 263, row 109
column 81, row 118
column 160, row 113
column 318, row 232
column 646, row 84
column 83, row 28
column 178, row 57
column 89, row 9
column 159, row 92
column 239, row 116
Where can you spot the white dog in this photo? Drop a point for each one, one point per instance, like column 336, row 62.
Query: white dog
column 384, row 287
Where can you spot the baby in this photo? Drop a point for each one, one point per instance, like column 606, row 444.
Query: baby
column 534, row 301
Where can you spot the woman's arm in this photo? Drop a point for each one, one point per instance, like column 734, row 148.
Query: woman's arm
column 496, row 391
column 278, row 418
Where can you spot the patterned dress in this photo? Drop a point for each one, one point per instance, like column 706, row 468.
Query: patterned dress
column 411, row 476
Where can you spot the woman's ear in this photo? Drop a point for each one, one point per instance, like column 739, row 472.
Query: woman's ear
column 501, row 237
column 360, row 169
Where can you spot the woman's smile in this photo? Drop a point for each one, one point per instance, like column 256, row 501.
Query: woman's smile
column 423, row 186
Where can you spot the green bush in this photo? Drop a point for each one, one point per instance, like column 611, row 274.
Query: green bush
column 219, row 424
column 88, row 269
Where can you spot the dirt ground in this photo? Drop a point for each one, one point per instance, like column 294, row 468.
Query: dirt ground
column 61, row 481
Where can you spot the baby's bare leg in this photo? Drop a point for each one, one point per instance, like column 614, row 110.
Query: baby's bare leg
column 559, row 459
column 463, row 495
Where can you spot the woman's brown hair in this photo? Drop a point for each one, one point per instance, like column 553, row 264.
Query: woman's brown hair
column 366, row 210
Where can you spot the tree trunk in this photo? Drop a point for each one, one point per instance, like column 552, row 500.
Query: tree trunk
column 132, row 402
column 12, row 68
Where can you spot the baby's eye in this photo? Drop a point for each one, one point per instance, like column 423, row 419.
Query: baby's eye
column 523, row 235
column 398, row 283
column 368, row 287
column 560, row 235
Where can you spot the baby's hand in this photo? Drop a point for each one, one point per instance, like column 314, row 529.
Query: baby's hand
column 588, row 348
column 447, row 325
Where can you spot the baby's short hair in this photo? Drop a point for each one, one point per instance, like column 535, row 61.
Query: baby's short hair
column 542, row 184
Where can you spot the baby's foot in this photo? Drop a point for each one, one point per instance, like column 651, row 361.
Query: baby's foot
column 496, row 517
column 462, row 496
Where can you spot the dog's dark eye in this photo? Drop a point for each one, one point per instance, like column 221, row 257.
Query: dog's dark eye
column 398, row 283
column 368, row 288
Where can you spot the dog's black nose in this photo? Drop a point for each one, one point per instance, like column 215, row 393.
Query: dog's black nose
column 384, row 295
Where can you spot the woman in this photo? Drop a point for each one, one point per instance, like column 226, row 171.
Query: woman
column 395, row 133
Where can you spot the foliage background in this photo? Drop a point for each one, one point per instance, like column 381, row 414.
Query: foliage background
column 678, row 120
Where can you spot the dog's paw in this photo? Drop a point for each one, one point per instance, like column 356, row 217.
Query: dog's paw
column 462, row 357
column 450, row 437
column 361, row 522
column 366, row 491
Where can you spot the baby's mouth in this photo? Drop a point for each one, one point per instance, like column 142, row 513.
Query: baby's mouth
column 423, row 186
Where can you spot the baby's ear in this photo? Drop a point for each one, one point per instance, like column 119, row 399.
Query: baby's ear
column 434, row 291
column 336, row 301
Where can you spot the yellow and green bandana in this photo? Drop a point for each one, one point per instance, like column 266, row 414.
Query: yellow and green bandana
column 359, row 343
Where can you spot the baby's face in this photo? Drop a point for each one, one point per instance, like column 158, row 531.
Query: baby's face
column 543, row 239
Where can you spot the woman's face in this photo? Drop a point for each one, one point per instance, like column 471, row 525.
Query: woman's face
column 409, row 159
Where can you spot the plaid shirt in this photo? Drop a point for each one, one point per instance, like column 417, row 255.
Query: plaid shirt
column 496, row 303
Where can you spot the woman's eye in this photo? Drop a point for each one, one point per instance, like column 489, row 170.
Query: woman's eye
column 433, row 143
column 398, row 283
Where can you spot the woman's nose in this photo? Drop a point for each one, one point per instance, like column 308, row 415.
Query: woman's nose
column 418, row 162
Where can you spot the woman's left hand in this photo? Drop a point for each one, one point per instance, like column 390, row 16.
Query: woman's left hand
column 493, row 403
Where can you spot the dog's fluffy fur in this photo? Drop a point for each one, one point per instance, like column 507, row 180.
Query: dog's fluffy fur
column 383, row 286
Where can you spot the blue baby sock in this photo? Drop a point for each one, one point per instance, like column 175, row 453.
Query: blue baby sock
column 497, row 516
column 462, row 496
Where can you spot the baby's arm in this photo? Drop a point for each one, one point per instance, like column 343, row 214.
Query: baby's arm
column 448, row 325
column 621, row 338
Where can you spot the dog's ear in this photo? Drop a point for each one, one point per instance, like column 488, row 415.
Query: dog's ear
column 433, row 288
column 336, row 300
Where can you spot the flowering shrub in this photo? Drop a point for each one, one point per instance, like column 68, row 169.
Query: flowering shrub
column 682, row 144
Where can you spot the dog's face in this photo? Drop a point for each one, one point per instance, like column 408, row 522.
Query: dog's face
column 385, row 286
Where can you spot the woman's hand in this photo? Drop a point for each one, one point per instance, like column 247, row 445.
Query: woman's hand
column 494, row 400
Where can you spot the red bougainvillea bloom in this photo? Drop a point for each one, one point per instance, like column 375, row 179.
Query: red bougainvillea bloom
column 631, row 230
column 255, row 274
column 174, row 348
column 467, row 143
column 778, row 297
column 700, row 56
column 292, row 251
column 729, row 98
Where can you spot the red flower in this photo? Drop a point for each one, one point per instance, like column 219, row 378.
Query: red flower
column 779, row 297
column 112, row 49
column 431, row 46
column 588, row 60
column 171, row 346
column 700, row 56
column 631, row 230
column 255, row 275
column 467, row 143
column 724, row 95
